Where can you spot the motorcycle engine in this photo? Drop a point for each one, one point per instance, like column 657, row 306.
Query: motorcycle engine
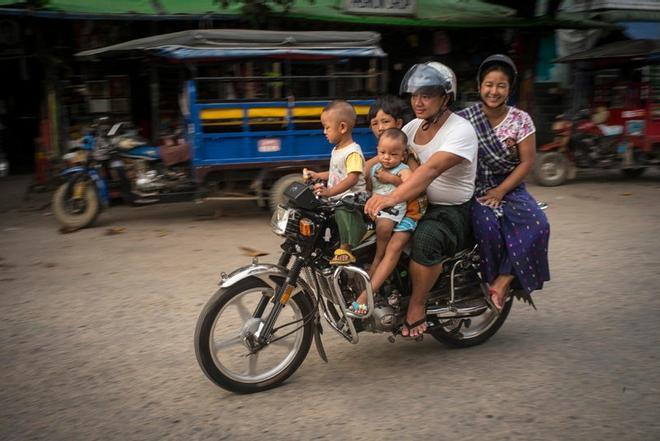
column 148, row 181
column 384, row 318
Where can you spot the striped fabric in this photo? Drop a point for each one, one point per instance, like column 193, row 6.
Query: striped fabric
column 495, row 159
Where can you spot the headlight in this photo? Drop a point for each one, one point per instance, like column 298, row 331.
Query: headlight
column 4, row 167
column 279, row 220
column 73, row 158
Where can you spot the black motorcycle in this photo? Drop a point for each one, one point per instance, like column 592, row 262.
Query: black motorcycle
column 257, row 329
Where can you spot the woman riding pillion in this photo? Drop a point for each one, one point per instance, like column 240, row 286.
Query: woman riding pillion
column 511, row 230
column 446, row 145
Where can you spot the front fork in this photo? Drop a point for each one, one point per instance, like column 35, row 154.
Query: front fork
column 279, row 300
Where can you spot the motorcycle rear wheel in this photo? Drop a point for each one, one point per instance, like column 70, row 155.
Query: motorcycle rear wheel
column 457, row 335
column 76, row 213
column 221, row 349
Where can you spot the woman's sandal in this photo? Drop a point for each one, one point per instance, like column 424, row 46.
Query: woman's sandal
column 342, row 257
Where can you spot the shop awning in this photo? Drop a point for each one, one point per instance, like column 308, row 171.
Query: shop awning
column 622, row 50
column 436, row 14
column 241, row 43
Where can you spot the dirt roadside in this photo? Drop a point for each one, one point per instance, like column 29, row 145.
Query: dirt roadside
column 96, row 334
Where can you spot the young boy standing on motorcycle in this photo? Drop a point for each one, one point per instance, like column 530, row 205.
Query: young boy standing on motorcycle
column 344, row 176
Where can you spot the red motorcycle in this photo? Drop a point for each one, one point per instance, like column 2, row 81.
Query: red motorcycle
column 584, row 141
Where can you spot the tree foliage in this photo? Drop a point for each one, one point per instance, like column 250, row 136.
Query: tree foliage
column 258, row 11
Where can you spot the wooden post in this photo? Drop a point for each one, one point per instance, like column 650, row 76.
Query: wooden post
column 155, row 107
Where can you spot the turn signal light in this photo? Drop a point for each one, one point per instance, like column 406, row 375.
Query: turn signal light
column 306, row 227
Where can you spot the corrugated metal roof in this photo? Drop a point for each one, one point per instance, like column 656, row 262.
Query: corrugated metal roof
column 629, row 49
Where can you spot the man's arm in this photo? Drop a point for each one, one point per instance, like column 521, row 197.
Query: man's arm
column 437, row 164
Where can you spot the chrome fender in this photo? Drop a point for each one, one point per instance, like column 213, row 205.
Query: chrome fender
column 265, row 272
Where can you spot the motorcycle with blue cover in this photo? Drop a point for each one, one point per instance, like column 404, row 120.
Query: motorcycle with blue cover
column 112, row 162
column 257, row 329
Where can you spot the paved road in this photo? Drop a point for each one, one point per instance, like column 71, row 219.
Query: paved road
column 96, row 335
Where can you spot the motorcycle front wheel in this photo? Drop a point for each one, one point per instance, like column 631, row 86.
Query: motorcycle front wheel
column 551, row 169
column 463, row 333
column 76, row 205
column 225, row 327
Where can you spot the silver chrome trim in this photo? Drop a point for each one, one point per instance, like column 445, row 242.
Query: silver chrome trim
column 263, row 272
column 454, row 312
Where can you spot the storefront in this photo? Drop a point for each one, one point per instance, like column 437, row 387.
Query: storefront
column 71, row 92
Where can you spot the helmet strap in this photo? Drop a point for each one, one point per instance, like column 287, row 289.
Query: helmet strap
column 428, row 122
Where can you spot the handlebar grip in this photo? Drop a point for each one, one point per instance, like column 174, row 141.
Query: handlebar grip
column 392, row 211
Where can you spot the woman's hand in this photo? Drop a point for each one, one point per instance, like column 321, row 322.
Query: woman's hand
column 492, row 198
column 376, row 203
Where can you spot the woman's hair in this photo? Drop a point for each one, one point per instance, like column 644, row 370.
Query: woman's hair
column 393, row 106
column 506, row 70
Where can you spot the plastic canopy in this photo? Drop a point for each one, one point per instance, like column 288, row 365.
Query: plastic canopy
column 241, row 43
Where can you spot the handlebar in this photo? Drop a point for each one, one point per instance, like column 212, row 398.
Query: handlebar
column 352, row 200
column 358, row 201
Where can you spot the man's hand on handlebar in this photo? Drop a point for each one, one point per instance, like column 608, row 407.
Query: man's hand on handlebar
column 377, row 203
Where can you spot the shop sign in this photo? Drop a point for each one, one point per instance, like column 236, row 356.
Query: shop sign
column 381, row 7
column 638, row 113
column 595, row 5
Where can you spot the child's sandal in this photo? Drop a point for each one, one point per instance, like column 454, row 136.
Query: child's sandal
column 359, row 308
column 342, row 257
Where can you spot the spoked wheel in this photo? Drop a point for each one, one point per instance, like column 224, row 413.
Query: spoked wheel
column 226, row 337
column 76, row 205
column 463, row 333
column 551, row 169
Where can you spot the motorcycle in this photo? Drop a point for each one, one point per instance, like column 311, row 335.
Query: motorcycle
column 112, row 162
column 581, row 143
column 257, row 329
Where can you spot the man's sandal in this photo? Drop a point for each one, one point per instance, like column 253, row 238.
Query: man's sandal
column 411, row 326
column 342, row 257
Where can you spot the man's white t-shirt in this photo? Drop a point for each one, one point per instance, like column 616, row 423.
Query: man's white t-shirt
column 456, row 185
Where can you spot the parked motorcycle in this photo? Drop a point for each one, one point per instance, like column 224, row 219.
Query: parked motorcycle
column 580, row 143
column 112, row 162
column 257, row 329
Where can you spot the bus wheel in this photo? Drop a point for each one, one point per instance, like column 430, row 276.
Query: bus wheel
column 277, row 190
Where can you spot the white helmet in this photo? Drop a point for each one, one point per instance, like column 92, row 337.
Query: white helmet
column 432, row 75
